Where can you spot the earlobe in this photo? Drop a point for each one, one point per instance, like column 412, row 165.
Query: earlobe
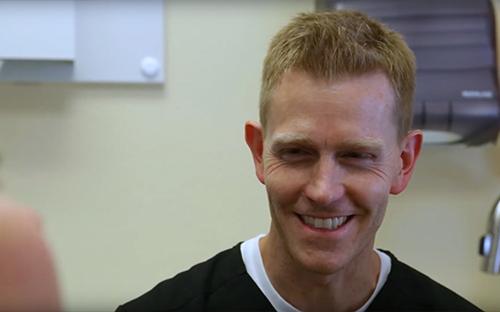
column 255, row 140
column 409, row 153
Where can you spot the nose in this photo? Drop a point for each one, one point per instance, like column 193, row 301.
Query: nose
column 325, row 186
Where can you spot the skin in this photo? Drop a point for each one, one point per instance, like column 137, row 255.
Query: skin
column 330, row 149
column 27, row 274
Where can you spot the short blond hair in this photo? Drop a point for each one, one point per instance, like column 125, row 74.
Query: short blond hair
column 336, row 44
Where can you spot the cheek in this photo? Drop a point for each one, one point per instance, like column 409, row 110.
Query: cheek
column 369, row 192
column 281, row 192
column 284, row 187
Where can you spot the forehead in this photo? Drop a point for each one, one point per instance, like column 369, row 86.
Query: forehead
column 352, row 106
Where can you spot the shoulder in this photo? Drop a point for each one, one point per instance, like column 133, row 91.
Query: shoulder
column 220, row 283
column 409, row 289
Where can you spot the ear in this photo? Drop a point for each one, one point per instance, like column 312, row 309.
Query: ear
column 410, row 149
column 255, row 141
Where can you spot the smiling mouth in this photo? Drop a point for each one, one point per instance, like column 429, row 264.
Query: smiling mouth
column 325, row 223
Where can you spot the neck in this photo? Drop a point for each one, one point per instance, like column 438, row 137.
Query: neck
column 346, row 289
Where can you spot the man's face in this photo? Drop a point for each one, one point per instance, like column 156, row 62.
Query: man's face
column 330, row 159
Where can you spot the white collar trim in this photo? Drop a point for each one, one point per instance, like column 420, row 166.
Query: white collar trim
column 252, row 259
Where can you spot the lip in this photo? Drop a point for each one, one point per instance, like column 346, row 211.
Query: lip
column 324, row 216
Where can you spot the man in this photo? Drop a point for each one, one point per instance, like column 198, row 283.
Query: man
column 334, row 141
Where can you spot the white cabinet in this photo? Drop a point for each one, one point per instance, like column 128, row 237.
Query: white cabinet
column 112, row 41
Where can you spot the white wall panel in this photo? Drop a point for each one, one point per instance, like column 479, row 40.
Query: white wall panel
column 37, row 30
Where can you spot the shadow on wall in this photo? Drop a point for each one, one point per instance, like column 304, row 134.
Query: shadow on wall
column 40, row 124
column 457, row 167
column 34, row 98
column 31, row 98
column 494, row 158
column 33, row 125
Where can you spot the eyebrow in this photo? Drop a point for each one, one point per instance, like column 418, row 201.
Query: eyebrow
column 371, row 144
column 291, row 138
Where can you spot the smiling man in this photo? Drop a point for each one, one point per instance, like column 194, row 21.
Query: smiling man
column 333, row 142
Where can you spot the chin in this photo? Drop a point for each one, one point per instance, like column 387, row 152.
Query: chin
column 324, row 263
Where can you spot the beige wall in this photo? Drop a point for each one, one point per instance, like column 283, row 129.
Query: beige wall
column 436, row 224
column 136, row 183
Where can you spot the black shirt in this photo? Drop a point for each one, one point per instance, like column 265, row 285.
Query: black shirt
column 223, row 284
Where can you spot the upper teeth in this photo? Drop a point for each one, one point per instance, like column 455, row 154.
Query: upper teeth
column 327, row 223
